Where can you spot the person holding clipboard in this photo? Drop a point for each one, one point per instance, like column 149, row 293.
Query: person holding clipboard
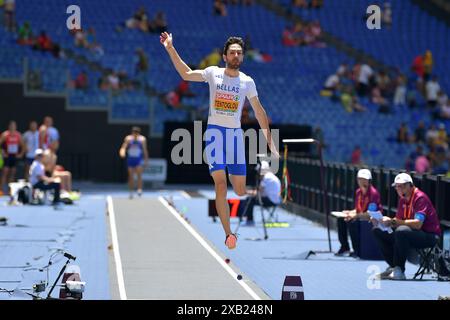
column 347, row 221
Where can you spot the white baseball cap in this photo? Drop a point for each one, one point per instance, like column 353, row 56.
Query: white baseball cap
column 265, row 167
column 364, row 174
column 38, row 152
column 402, row 178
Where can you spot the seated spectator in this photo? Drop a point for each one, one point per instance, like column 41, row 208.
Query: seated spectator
column 364, row 195
column 332, row 83
column 142, row 67
column 212, row 59
column 43, row 43
column 103, row 82
column 57, row 52
column 174, row 98
column 418, row 67
column 25, row 34
column 427, row 64
column 293, row 36
column 382, row 102
column 383, row 82
column 269, row 190
column 313, row 35
column 159, row 24
column 410, row 164
column 138, row 21
column 402, row 134
column 442, row 98
column 440, row 163
column 350, row 101
column 431, row 135
column 432, row 88
column 40, row 181
column 113, row 81
column 356, row 156
column 9, row 9
column 363, row 76
column 422, row 164
column 442, row 137
column 416, row 226
column 445, row 111
column 124, row 81
column 420, row 133
column 300, row 4
column 316, row 4
column 400, row 91
column 342, row 70
column 81, row 81
column 183, row 89
column 80, row 39
column 219, row 8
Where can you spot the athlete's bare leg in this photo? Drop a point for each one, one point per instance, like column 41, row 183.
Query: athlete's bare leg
column 222, row 207
column 66, row 180
column 239, row 184
column 5, row 174
column 131, row 172
column 139, row 171
column 12, row 175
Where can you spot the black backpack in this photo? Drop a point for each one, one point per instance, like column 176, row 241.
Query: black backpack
column 23, row 196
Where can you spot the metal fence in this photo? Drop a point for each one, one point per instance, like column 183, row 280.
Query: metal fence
column 341, row 184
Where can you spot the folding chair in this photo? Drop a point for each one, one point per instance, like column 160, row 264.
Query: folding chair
column 272, row 217
column 427, row 260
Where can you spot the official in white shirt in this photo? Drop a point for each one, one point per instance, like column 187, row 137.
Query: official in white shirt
column 269, row 188
column 40, row 181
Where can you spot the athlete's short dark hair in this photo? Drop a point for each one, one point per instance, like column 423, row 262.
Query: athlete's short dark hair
column 136, row 129
column 233, row 40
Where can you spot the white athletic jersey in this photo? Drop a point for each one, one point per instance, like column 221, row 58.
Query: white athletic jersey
column 227, row 96
column 36, row 172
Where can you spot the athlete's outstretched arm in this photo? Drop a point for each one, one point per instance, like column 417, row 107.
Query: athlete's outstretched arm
column 183, row 69
column 144, row 146
column 263, row 121
column 23, row 148
column 123, row 148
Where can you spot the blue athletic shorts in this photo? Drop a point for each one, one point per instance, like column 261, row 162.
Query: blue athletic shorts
column 225, row 148
column 134, row 162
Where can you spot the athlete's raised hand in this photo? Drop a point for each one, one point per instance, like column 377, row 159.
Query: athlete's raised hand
column 166, row 40
column 274, row 151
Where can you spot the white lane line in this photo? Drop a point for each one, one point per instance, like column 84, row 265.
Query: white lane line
column 209, row 249
column 115, row 243
column 185, row 195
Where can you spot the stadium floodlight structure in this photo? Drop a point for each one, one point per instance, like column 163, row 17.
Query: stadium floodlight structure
column 323, row 189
